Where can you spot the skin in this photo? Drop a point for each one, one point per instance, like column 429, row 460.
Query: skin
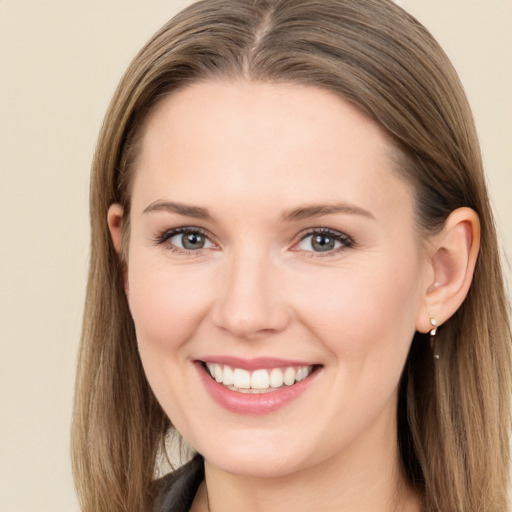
column 248, row 154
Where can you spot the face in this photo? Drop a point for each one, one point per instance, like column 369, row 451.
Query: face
column 274, row 275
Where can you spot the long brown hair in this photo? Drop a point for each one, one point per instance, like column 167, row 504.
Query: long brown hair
column 454, row 415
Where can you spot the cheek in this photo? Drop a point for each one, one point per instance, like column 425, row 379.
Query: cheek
column 167, row 305
column 365, row 318
column 363, row 310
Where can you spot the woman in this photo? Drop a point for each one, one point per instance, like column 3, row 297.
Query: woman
column 294, row 266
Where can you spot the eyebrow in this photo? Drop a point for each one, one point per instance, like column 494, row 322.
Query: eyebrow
column 295, row 214
column 317, row 210
column 180, row 208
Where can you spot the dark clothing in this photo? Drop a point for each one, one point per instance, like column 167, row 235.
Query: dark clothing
column 176, row 491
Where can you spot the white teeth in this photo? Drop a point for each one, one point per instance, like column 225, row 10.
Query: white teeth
column 241, row 379
column 218, row 373
column 260, row 380
column 276, row 378
column 229, row 377
column 301, row 374
column 289, row 376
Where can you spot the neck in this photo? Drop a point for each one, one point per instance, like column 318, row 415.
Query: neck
column 366, row 476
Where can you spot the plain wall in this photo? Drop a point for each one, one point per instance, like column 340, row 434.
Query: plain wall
column 60, row 62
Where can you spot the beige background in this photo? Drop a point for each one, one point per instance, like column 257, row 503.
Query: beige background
column 60, row 61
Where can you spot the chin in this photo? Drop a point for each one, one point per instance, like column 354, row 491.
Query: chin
column 256, row 466
column 268, row 459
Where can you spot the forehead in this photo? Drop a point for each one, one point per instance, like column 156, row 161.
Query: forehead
column 244, row 140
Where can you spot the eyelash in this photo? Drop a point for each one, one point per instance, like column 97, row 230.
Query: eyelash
column 167, row 235
column 345, row 241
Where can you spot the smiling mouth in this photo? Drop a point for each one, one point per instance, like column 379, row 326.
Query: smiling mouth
column 263, row 380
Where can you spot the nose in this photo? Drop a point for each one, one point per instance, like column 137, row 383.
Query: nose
column 251, row 302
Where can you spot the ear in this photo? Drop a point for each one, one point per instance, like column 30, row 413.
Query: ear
column 451, row 261
column 115, row 226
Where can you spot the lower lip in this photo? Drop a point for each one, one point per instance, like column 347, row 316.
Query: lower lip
column 247, row 403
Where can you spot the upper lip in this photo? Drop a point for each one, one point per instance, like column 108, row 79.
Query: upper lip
column 255, row 363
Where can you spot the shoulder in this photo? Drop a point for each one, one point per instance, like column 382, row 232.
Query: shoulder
column 175, row 492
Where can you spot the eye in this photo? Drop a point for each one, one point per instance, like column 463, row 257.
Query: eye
column 185, row 240
column 189, row 241
column 324, row 241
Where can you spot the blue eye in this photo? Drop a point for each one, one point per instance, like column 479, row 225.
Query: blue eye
column 324, row 241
